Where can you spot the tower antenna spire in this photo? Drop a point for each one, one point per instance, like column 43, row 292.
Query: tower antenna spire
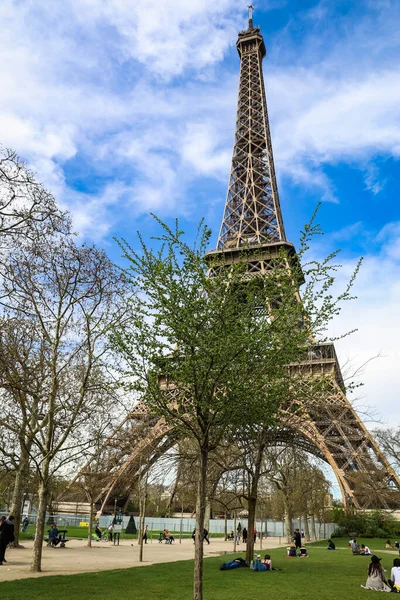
column 250, row 7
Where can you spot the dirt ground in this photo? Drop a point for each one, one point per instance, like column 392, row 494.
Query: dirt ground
column 76, row 557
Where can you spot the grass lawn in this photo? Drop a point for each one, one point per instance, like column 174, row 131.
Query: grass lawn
column 82, row 533
column 324, row 574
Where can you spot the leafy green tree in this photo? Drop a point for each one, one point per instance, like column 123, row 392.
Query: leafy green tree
column 209, row 354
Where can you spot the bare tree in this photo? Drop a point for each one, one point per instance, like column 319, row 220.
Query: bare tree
column 67, row 294
column 27, row 209
column 389, row 441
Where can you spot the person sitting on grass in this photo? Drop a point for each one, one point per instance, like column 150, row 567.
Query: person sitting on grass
column 303, row 553
column 388, row 544
column 331, row 545
column 376, row 576
column 233, row 564
column 394, row 580
column 54, row 537
column 267, row 562
column 291, row 551
column 365, row 551
column 355, row 547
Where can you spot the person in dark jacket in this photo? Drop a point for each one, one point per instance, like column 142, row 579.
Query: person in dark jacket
column 331, row 545
column 6, row 536
column 25, row 524
column 297, row 538
column 54, row 536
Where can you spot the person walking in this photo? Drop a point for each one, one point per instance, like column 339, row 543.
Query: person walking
column 238, row 533
column 205, row 536
column 146, row 527
column 297, row 538
column 244, row 534
column 6, row 535
column 255, row 535
column 3, row 545
column 25, row 524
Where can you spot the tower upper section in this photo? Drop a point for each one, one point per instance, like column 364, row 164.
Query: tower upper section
column 252, row 214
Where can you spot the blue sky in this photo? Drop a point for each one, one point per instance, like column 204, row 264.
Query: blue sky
column 124, row 107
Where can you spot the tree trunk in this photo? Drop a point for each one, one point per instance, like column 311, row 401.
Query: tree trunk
column 226, row 526
column 251, row 507
column 142, row 519
column 200, row 514
column 288, row 523
column 181, row 525
column 36, row 564
column 18, row 492
column 313, row 532
column 207, row 514
column 16, row 502
column 306, row 528
column 89, row 539
column 141, row 536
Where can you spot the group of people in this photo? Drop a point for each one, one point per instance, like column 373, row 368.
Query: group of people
column 293, row 551
column 296, row 548
column 258, row 565
column 376, row 579
column 356, row 549
column 388, row 544
column 166, row 536
column 6, row 535
column 241, row 535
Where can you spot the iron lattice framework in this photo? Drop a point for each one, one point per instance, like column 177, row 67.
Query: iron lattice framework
column 252, row 230
column 252, row 212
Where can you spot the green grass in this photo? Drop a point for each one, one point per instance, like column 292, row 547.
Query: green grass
column 323, row 575
column 82, row 533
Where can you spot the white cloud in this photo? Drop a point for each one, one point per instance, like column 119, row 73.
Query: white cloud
column 326, row 121
column 170, row 36
column 92, row 81
column 375, row 313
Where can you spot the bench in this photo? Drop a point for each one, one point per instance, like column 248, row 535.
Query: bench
column 168, row 539
column 61, row 534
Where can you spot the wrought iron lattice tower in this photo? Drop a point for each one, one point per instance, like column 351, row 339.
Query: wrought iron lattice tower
column 252, row 230
column 252, row 211
column 252, row 227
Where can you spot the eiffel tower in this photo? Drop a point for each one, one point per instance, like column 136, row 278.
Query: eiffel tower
column 252, row 225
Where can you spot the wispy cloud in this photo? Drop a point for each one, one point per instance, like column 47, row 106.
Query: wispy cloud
column 139, row 93
column 375, row 315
